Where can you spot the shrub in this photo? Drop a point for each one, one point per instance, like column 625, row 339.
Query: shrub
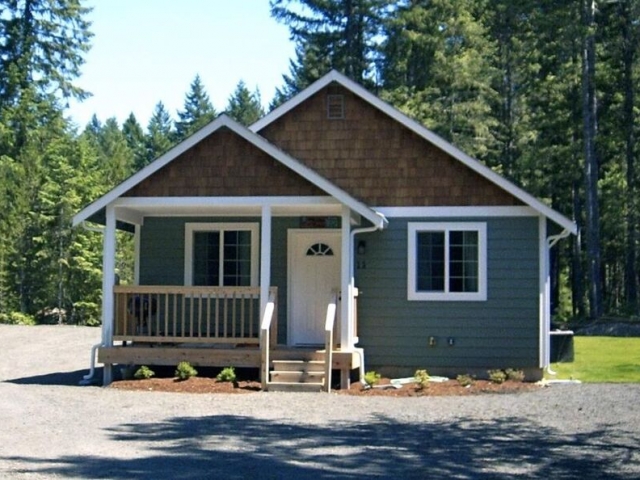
column 465, row 380
column 497, row 376
column 422, row 379
column 371, row 378
column 144, row 372
column 515, row 375
column 184, row 371
column 17, row 318
column 227, row 375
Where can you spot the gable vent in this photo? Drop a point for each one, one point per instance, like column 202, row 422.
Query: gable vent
column 335, row 107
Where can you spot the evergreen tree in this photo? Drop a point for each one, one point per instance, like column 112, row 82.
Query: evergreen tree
column 340, row 34
column 244, row 106
column 436, row 69
column 134, row 135
column 159, row 133
column 197, row 112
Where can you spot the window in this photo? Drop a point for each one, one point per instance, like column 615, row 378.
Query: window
column 221, row 254
column 447, row 261
column 319, row 250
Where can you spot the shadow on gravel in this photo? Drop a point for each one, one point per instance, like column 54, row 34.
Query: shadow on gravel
column 244, row 447
column 57, row 378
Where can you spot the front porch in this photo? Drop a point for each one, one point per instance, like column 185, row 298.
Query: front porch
column 220, row 327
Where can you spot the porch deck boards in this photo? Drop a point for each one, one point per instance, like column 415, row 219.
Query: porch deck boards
column 218, row 355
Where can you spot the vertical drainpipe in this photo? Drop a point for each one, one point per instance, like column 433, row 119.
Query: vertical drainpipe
column 108, row 280
column 265, row 259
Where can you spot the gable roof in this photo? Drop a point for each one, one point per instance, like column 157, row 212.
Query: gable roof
column 224, row 121
column 422, row 132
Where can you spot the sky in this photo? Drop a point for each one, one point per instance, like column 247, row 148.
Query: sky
column 145, row 51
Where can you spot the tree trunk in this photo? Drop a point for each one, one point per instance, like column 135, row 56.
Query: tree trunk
column 591, row 162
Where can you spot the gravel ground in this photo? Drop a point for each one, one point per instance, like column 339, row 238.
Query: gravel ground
column 52, row 428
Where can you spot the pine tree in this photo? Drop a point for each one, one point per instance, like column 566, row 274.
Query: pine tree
column 159, row 133
column 338, row 34
column 197, row 112
column 134, row 135
column 244, row 106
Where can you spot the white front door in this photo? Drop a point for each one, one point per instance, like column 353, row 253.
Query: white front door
column 314, row 272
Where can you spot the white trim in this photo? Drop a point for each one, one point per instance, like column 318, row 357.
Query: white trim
column 545, row 289
column 190, row 228
column 222, row 201
column 108, row 280
column 223, row 121
column 421, row 131
column 450, row 212
column 414, row 294
column 129, row 216
column 265, row 259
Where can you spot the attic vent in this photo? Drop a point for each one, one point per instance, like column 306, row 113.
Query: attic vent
column 335, row 107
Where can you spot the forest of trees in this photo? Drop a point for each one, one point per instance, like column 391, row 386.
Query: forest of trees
column 543, row 92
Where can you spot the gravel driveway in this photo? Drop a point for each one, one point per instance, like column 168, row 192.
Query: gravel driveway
column 52, row 428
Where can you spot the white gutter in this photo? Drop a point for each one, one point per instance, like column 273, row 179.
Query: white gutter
column 352, row 288
column 551, row 241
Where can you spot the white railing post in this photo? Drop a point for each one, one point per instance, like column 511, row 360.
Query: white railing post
column 328, row 340
column 265, row 327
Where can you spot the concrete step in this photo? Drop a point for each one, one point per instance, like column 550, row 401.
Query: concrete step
column 297, row 377
column 298, row 365
column 294, row 387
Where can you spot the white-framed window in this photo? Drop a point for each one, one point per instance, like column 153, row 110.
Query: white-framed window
column 221, row 254
column 447, row 261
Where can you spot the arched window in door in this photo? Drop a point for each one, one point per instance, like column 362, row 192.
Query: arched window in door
column 319, row 250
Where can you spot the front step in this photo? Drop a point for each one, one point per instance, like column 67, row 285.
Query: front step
column 297, row 376
column 294, row 387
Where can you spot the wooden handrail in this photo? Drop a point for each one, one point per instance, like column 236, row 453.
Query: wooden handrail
column 265, row 327
column 328, row 339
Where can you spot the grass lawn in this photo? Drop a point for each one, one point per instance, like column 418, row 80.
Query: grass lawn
column 602, row 359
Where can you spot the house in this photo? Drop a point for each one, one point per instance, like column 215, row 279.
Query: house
column 334, row 232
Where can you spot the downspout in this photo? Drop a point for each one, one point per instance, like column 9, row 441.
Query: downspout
column 88, row 379
column 551, row 241
column 355, row 232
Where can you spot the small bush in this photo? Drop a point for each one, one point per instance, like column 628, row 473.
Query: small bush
column 515, row 375
column 227, row 375
column 465, row 380
column 371, row 378
column 144, row 372
column 184, row 371
column 497, row 376
column 17, row 318
column 422, row 379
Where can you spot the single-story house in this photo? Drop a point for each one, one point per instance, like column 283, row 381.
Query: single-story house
column 334, row 233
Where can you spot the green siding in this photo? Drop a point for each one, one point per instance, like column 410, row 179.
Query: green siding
column 500, row 332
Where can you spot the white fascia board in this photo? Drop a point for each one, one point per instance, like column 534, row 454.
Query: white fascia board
column 221, row 201
column 423, row 132
column 129, row 216
column 451, row 212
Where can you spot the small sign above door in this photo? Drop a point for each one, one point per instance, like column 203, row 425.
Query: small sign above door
column 319, row 222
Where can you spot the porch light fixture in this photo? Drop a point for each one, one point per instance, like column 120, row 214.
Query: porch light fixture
column 362, row 247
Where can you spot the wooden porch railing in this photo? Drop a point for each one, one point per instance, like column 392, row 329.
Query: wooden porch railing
column 147, row 313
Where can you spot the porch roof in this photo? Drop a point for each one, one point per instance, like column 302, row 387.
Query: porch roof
column 132, row 209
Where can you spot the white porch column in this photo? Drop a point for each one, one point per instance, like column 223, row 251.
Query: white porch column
column 108, row 280
column 136, row 265
column 346, row 283
column 545, row 294
column 265, row 258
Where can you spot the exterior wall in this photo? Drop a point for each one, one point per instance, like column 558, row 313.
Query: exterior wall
column 501, row 332
column 376, row 159
column 223, row 164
